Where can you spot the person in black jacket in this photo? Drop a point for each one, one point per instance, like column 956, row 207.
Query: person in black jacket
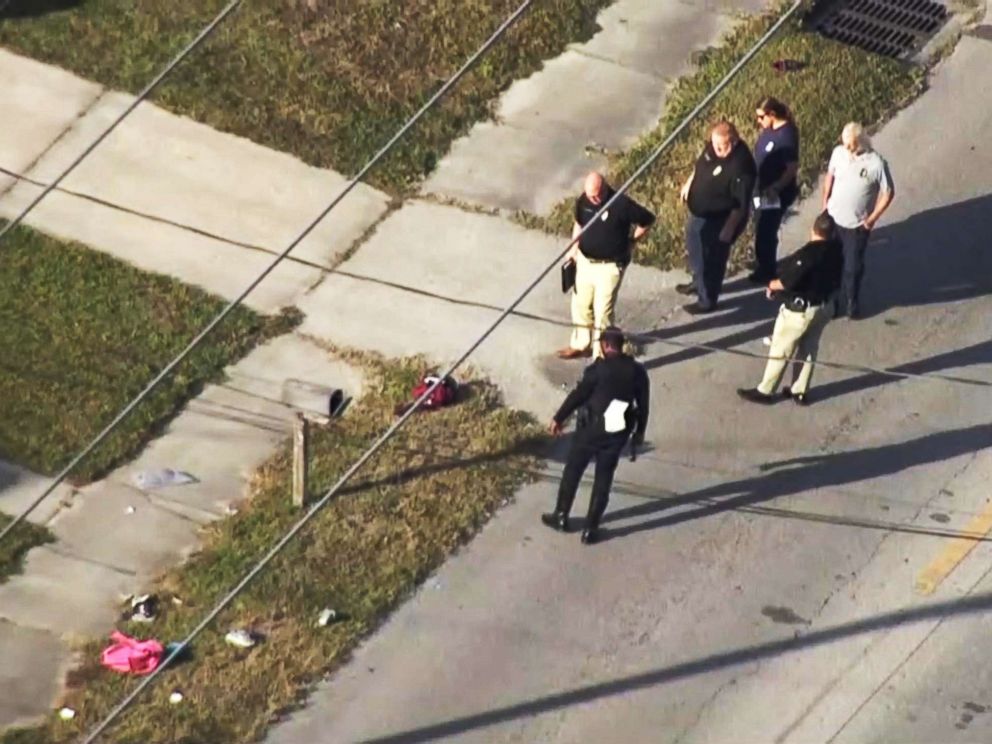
column 718, row 197
column 808, row 281
column 612, row 400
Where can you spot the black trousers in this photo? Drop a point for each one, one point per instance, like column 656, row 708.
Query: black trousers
column 708, row 255
column 767, row 222
column 855, row 242
column 606, row 449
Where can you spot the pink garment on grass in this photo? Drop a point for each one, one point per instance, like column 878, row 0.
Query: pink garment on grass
column 130, row 655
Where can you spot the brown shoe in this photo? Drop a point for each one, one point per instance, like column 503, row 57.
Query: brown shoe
column 569, row 353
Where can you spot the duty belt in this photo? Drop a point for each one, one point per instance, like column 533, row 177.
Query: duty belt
column 799, row 304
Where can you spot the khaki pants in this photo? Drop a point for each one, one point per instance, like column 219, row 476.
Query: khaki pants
column 593, row 301
column 796, row 334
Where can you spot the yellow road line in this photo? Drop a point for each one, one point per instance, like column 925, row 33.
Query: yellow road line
column 955, row 552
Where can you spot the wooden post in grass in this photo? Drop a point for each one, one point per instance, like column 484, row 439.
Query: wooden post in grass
column 301, row 441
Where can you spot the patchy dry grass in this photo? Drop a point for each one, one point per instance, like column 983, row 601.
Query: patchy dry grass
column 16, row 545
column 83, row 333
column 425, row 494
column 837, row 84
column 327, row 80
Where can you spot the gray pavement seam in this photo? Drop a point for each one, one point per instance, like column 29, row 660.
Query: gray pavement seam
column 641, row 336
column 577, row 49
column 147, row 91
column 100, row 94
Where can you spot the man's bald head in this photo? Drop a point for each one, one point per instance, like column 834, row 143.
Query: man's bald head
column 594, row 187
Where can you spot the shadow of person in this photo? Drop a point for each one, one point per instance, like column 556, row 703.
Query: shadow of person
column 979, row 604
column 937, row 256
column 32, row 8
column 803, row 474
column 752, row 310
column 980, row 353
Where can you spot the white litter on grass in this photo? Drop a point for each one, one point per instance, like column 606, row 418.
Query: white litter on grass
column 175, row 697
column 162, row 478
column 67, row 714
column 326, row 617
column 240, row 638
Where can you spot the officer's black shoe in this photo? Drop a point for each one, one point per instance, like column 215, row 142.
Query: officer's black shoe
column 590, row 536
column 556, row 521
column 698, row 308
column 754, row 395
column 800, row 399
column 689, row 288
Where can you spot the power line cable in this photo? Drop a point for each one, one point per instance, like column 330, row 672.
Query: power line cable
column 643, row 336
column 147, row 91
column 168, row 369
column 400, row 421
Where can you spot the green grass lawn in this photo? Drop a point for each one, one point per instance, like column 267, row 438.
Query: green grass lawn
column 838, row 84
column 82, row 334
column 426, row 492
column 329, row 84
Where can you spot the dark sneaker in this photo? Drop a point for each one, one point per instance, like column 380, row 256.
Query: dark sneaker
column 688, row 288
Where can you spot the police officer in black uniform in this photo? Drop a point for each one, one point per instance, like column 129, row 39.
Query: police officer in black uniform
column 612, row 400
column 808, row 282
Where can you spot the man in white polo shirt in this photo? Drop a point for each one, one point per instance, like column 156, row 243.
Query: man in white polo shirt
column 857, row 190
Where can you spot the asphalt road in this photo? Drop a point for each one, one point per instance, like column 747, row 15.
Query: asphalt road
column 776, row 574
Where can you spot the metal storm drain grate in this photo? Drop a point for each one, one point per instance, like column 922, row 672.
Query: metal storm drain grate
column 894, row 28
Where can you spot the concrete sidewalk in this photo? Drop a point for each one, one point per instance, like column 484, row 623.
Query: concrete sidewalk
column 599, row 96
column 172, row 196
column 113, row 538
column 755, row 553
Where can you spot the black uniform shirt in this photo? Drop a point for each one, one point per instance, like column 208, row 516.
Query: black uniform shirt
column 609, row 238
column 605, row 380
column 774, row 151
column 813, row 272
column 721, row 185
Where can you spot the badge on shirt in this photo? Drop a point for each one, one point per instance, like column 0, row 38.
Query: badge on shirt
column 605, row 215
column 769, row 147
column 718, row 170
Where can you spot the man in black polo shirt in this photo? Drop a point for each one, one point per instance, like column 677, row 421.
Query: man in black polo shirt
column 601, row 256
column 808, row 281
column 718, row 194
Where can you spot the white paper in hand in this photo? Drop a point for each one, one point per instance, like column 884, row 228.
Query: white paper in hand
column 614, row 419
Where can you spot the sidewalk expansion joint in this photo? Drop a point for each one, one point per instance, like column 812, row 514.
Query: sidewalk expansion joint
column 30, row 166
column 577, row 48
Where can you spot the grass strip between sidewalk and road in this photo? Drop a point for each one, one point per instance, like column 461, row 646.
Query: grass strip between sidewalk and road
column 82, row 334
column 327, row 80
column 427, row 492
column 836, row 84
column 24, row 537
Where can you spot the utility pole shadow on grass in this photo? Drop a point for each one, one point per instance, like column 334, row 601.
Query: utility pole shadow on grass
column 695, row 667
column 800, row 475
column 33, row 8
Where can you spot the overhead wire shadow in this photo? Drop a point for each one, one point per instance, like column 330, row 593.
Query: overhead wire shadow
column 713, row 662
column 803, row 474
